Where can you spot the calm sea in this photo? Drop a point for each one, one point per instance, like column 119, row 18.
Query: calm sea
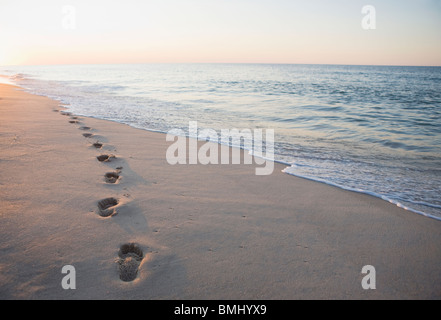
column 372, row 129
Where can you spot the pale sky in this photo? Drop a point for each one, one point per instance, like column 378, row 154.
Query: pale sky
column 408, row 32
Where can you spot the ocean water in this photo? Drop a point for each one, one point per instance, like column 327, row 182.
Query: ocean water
column 371, row 129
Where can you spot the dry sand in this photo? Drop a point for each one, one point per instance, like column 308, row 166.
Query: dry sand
column 202, row 232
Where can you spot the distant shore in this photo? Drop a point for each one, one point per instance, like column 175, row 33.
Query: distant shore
column 136, row 227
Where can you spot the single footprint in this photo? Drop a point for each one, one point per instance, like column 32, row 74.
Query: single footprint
column 105, row 158
column 130, row 257
column 111, row 177
column 74, row 121
column 66, row 113
column 98, row 145
column 85, row 128
column 107, row 207
column 87, row 135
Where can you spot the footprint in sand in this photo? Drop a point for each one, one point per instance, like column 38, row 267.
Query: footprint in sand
column 105, row 158
column 66, row 113
column 107, row 207
column 98, row 145
column 111, row 177
column 130, row 257
column 85, row 128
column 87, row 135
column 74, row 121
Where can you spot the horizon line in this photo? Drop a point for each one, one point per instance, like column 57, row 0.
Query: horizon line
column 220, row 63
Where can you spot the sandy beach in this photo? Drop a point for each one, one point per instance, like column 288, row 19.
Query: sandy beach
column 186, row 231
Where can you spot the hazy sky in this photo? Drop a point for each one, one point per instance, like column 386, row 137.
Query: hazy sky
column 408, row 32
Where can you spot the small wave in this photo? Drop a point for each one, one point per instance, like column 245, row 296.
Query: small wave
column 19, row 77
column 98, row 88
column 404, row 146
column 318, row 108
column 422, row 203
column 204, row 101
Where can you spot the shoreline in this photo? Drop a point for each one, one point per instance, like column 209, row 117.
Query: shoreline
column 287, row 165
column 397, row 203
column 275, row 237
column 397, row 193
